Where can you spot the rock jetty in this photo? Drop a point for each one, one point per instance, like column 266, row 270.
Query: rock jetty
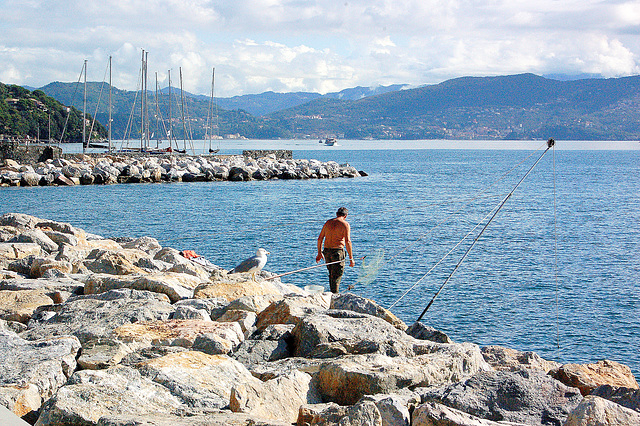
column 123, row 331
column 108, row 169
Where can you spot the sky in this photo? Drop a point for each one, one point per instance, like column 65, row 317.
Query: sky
column 313, row 45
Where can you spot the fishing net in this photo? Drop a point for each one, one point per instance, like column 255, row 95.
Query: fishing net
column 370, row 266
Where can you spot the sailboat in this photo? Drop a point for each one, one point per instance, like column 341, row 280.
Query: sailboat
column 209, row 127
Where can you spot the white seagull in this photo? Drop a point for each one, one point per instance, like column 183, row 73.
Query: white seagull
column 253, row 264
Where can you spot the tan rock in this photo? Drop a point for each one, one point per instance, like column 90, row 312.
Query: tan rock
column 501, row 358
column 21, row 400
column 596, row 411
column 19, row 250
column 291, row 309
column 587, row 377
column 231, row 290
column 205, row 381
column 176, row 286
column 105, row 244
column 116, row 263
column 40, row 265
column 277, row 399
column 245, row 319
column 254, row 304
column 180, row 332
column 20, row 305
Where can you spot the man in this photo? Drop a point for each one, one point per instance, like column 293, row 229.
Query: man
column 336, row 234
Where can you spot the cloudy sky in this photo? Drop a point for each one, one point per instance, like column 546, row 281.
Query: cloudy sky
column 313, row 45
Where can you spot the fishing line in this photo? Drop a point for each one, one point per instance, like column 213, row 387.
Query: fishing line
column 555, row 232
column 550, row 144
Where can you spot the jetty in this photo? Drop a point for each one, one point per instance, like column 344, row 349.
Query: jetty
column 122, row 331
column 46, row 166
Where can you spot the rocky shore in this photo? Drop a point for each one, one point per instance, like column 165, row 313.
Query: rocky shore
column 122, row 331
column 108, row 169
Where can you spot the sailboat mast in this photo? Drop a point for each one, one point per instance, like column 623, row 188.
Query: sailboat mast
column 142, row 102
column 84, row 110
column 146, row 101
column 184, row 125
column 110, row 120
column 210, row 124
column 170, row 118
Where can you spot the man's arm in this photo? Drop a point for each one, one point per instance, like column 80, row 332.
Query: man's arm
column 320, row 239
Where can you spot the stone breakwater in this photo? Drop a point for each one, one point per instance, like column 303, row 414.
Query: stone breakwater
column 123, row 331
column 108, row 169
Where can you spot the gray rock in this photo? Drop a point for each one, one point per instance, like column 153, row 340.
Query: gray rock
column 424, row 332
column 92, row 394
column 392, row 408
column 626, row 397
column 525, row 396
column 45, row 364
column 502, row 358
column 221, row 418
column 253, row 352
column 147, row 244
column 335, row 333
column 38, row 237
column 355, row 303
column 30, row 179
column 434, row 414
column 214, row 306
column 188, row 312
column 593, row 411
column 96, row 316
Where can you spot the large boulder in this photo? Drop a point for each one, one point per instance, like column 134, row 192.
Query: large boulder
column 524, row 396
column 587, row 377
column 277, row 399
column 197, row 379
column 36, row 236
column 20, row 305
column 19, row 250
column 596, row 411
column 115, row 263
column 175, row 285
column 234, row 288
column 347, row 379
column 334, row 333
column 501, row 358
column 93, row 394
column 96, row 316
column 291, row 310
column 364, row 413
column 32, row 372
column 352, row 302
column 185, row 333
column 434, row 414
column 626, row 397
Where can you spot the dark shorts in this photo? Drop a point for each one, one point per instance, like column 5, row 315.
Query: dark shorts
column 337, row 269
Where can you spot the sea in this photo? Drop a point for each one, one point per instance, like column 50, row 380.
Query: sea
column 514, row 244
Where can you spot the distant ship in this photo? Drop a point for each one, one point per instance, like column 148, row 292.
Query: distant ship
column 329, row 141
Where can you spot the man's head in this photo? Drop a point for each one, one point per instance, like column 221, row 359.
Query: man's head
column 342, row 211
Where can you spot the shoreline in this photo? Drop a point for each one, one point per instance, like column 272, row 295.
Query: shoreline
column 126, row 317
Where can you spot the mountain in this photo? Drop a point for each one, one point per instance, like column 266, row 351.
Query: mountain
column 33, row 115
column 522, row 106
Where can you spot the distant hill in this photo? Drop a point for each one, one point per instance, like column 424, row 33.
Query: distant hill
column 33, row 115
column 522, row 106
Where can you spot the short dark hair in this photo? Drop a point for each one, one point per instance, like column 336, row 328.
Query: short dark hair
column 342, row 211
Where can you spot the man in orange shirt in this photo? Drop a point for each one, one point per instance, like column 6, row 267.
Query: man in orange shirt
column 336, row 234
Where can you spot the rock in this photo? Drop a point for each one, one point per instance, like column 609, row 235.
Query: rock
column 197, row 379
column 36, row 236
column 188, row 312
column 23, row 401
column 30, row 179
column 215, row 307
column 245, row 319
column 183, row 333
column 335, row 333
column 347, row 379
column 364, row 413
column 46, row 364
column 92, row 394
column 276, row 399
column 231, row 290
column 424, row 332
column 102, row 353
column 254, row 352
column 58, row 289
column 290, row 310
column 626, row 397
column 96, row 316
column 20, row 305
column 596, row 411
column 221, row 418
column 392, row 408
column 352, row 302
column 254, row 304
column 524, row 396
column 175, row 286
column 19, row 250
column 115, row 263
column 587, row 377
column 41, row 266
column 501, row 358
column 434, row 414
column 19, row 220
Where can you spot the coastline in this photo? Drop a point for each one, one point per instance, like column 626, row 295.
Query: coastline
column 123, row 317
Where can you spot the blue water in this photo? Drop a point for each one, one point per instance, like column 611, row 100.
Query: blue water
column 580, row 305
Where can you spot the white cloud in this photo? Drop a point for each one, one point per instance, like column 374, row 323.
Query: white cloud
column 313, row 45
